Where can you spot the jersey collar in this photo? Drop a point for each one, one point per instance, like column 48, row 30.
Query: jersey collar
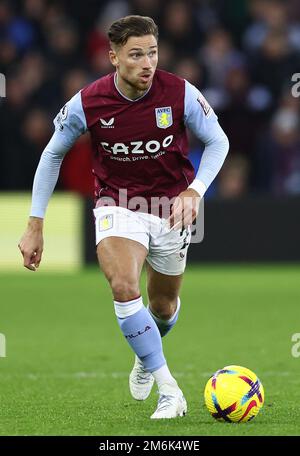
column 126, row 98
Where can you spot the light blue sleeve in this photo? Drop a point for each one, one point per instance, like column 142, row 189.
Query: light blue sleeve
column 200, row 118
column 70, row 122
column 46, row 175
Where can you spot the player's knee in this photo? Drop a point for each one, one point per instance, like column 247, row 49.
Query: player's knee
column 164, row 307
column 124, row 289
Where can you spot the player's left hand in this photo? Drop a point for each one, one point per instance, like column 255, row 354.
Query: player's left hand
column 185, row 209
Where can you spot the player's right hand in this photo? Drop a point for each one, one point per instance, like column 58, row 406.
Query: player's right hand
column 31, row 246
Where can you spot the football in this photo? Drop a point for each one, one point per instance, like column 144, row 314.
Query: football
column 234, row 394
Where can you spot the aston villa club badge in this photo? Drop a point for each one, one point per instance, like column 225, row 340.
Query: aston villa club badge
column 164, row 117
column 106, row 222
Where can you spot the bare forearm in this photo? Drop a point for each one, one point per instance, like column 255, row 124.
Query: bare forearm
column 35, row 224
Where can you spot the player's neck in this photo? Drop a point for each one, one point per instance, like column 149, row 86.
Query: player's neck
column 127, row 90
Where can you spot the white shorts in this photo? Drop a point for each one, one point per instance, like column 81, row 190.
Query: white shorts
column 167, row 249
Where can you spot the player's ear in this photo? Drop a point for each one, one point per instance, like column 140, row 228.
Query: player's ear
column 113, row 58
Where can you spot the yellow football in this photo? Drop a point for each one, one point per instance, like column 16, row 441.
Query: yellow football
column 234, row 394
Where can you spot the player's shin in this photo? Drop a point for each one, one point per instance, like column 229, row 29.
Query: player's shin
column 141, row 333
column 165, row 326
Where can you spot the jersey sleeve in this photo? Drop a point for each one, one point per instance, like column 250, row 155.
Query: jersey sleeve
column 70, row 122
column 46, row 175
column 201, row 119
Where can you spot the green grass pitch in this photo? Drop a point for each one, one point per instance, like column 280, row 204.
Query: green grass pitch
column 67, row 364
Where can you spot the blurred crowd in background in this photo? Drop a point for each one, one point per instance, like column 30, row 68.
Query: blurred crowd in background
column 240, row 53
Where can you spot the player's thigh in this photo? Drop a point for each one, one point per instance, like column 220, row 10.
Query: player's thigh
column 163, row 289
column 121, row 258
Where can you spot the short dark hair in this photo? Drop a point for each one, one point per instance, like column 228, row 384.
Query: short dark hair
column 122, row 29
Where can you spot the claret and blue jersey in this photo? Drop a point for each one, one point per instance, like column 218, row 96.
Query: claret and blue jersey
column 139, row 145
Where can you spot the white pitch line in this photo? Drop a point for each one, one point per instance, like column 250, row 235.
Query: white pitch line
column 116, row 375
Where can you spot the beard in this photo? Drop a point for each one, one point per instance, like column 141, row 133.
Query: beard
column 138, row 84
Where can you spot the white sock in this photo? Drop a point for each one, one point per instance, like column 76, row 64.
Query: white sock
column 163, row 376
